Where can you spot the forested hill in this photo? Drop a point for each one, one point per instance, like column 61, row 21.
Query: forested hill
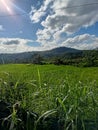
column 28, row 57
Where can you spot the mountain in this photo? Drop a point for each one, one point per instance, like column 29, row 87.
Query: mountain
column 59, row 51
column 63, row 49
column 27, row 57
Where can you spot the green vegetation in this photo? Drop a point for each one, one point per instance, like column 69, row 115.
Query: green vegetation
column 57, row 56
column 87, row 58
column 49, row 97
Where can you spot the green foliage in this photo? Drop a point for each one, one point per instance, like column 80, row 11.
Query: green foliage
column 64, row 97
column 58, row 61
column 89, row 58
column 37, row 59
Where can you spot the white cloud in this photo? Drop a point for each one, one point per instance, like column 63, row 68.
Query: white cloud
column 1, row 28
column 36, row 15
column 15, row 45
column 73, row 18
column 82, row 42
column 67, row 17
column 44, row 35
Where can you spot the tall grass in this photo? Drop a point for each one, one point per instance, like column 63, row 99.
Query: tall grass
column 61, row 97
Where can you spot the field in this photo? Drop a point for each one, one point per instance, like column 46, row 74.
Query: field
column 67, row 93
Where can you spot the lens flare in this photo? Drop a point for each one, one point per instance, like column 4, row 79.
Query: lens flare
column 6, row 5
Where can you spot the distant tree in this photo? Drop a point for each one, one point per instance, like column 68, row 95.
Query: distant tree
column 58, row 61
column 90, row 57
column 37, row 59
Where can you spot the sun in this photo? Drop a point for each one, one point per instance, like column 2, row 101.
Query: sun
column 6, row 5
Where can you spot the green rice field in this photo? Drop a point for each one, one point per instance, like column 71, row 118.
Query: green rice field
column 67, row 92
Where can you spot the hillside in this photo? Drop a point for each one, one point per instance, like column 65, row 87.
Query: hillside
column 28, row 56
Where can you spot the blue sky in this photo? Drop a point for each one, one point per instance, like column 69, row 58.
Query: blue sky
column 28, row 25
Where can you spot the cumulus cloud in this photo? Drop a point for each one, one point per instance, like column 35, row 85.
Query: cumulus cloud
column 67, row 17
column 82, row 42
column 15, row 45
column 36, row 15
column 71, row 15
column 73, row 18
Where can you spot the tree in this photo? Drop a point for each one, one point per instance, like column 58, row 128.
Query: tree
column 37, row 59
column 90, row 57
column 58, row 61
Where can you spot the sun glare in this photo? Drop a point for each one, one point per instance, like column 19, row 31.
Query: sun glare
column 6, row 5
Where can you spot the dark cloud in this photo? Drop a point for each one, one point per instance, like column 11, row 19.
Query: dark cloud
column 11, row 42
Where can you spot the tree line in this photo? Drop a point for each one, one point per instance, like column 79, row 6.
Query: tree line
column 83, row 59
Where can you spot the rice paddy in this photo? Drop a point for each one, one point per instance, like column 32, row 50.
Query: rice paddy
column 66, row 93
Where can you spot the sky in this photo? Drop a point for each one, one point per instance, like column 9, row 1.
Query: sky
column 37, row 25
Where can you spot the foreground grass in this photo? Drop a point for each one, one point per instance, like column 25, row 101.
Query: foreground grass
column 69, row 91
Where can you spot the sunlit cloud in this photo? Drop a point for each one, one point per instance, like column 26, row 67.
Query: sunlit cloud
column 16, row 45
column 82, row 42
column 64, row 21
column 36, row 15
